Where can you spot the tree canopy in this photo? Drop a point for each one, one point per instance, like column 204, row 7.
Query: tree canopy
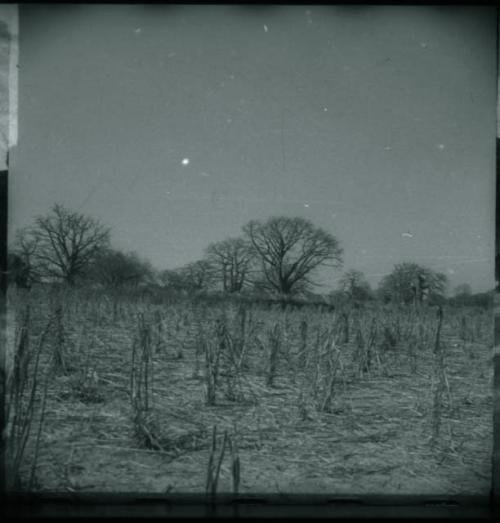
column 278, row 256
column 231, row 259
column 289, row 250
column 21, row 260
column 65, row 243
column 115, row 268
column 411, row 283
column 198, row 276
column 355, row 285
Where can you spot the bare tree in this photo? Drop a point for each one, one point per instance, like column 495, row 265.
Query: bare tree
column 22, row 269
column 173, row 280
column 67, row 243
column 412, row 283
column 232, row 260
column 355, row 285
column 290, row 249
column 199, row 274
column 193, row 277
column 115, row 268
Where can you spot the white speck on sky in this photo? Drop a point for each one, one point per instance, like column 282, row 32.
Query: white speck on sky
column 266, row 28
column 185, row 161
column 441, row 147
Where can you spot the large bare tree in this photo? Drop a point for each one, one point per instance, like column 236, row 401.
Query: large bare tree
column 290, row 249
column 232, row 259
column 66, row 243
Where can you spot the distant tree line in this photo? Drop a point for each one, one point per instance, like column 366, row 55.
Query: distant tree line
column 278, row 257
column 274, row 259
column 464, row 296
column 70, row 247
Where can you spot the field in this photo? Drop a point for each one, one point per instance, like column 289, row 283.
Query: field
column 112, row 393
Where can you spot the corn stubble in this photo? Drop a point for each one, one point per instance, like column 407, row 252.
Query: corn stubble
column 235, row 356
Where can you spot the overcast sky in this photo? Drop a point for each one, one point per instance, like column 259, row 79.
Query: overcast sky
column 175, row 125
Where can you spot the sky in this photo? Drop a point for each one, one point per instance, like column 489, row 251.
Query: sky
column 176, row 125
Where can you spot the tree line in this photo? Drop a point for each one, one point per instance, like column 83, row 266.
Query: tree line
column 279, row 255
column 276, row 257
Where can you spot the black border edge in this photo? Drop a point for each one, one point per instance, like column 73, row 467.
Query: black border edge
column 48, row 505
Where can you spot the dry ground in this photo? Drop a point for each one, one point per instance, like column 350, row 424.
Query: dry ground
column 374, row 438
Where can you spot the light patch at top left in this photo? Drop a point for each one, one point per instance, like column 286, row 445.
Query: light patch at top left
column 8, row 79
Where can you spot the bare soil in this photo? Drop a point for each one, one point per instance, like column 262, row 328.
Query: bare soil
column 374, row 439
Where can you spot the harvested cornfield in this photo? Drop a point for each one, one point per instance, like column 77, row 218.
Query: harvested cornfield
column 110, row 394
